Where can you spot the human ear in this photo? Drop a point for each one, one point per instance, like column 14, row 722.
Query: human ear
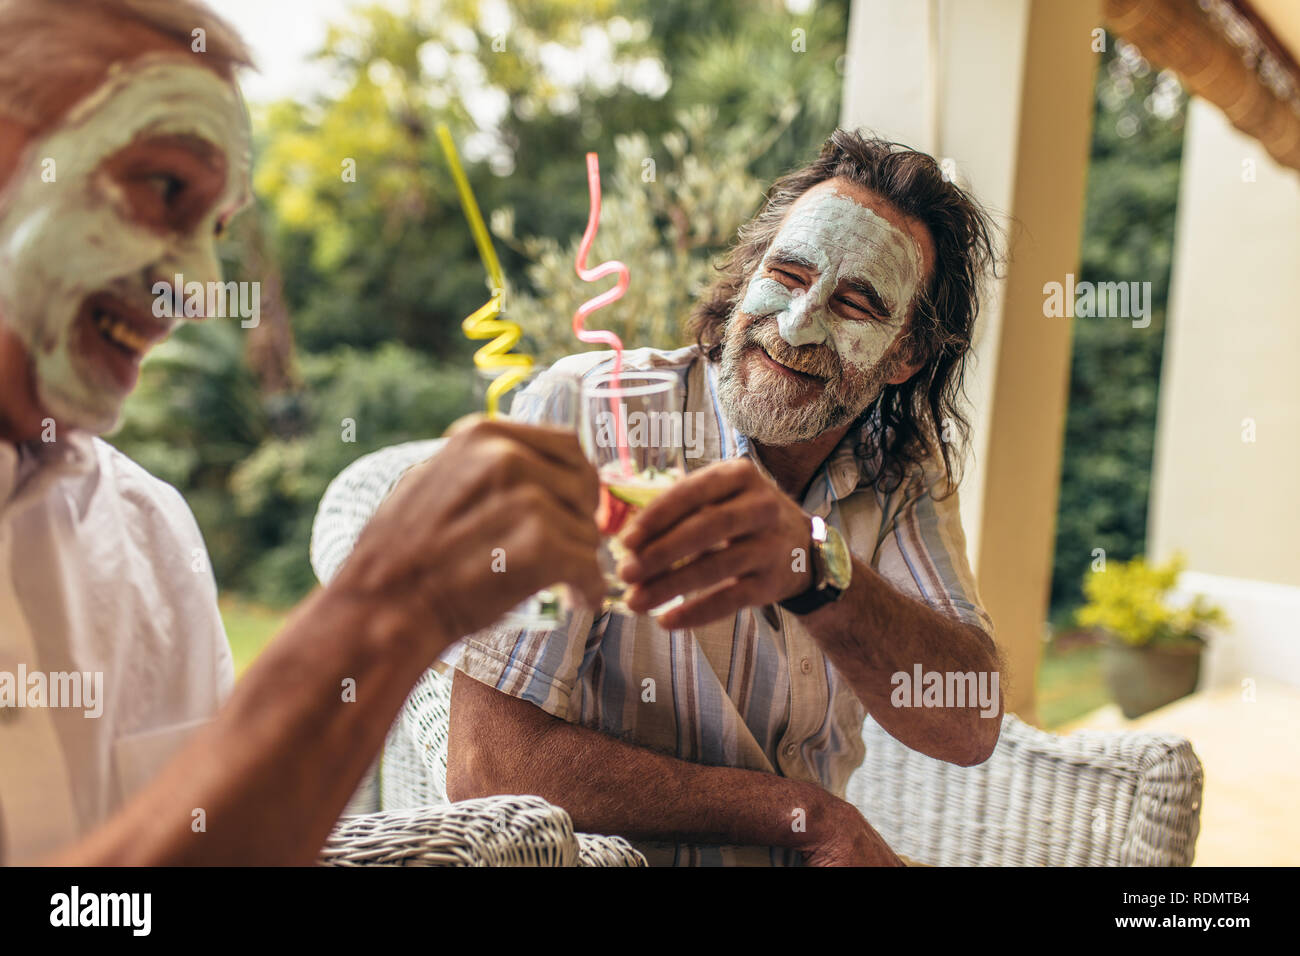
column 902, row 373
column 905, row 363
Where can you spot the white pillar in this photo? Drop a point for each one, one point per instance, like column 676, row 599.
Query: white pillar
column 1228, row 443
column 1003, row 88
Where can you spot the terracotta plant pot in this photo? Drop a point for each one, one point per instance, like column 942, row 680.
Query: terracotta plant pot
column 1144, row 678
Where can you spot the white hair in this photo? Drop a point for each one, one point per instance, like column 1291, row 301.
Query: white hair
column 47, row 46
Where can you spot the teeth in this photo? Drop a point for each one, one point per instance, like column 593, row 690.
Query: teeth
column 120, row 333
column 792, row 368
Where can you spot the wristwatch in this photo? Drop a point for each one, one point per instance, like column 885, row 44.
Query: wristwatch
column 832, row 569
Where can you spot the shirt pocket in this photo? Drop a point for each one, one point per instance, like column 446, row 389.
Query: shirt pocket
column 138, row 757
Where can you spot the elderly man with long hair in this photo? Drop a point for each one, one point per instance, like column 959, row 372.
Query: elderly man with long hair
column 826, row 373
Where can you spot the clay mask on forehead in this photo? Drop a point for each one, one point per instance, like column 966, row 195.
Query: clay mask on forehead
column 65, row 239
column 842, row 240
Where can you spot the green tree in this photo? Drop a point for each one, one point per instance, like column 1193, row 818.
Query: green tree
column 663, row 222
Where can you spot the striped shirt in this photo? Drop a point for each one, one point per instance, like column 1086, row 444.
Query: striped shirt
column 747, row 692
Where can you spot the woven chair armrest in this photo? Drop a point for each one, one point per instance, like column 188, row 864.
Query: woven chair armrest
column 492, row 831
column 597, row 850
column 352, row 499
column 1093, row 798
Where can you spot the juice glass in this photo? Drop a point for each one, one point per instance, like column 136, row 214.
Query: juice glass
column 632, row 433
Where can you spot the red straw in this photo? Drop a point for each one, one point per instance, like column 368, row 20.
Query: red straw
column 598, row 336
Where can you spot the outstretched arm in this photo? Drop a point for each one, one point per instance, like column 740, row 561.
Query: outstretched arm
column 273, row 771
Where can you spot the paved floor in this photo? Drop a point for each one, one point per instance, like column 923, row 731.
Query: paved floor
column 1250, row 814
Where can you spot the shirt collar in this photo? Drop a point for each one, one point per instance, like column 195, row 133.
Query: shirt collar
column 28, row 468
column 844, row 467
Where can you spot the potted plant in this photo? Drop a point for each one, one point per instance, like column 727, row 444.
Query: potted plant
column 1152, row 651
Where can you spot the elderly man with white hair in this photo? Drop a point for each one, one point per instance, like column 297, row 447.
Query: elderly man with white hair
column 124, row 153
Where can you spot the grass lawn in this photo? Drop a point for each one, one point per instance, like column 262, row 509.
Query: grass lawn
column 1070, row 682
column 248, row 627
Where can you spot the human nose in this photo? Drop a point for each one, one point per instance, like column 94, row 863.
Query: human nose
column 802, row 323
column 195, row 260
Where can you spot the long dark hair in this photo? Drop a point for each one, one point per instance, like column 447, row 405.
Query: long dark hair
column 912, row 421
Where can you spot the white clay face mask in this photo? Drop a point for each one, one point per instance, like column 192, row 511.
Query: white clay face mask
column 842, row 240
column 66, row 239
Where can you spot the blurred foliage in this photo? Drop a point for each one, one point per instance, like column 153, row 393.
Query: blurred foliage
column 663, row 222
column 358, row 221
column 1128, row 602
column 1115, row 373
column 197, row 422
column 527, row 88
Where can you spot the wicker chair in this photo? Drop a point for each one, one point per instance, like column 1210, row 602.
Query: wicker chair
column 497, row 831
column 400, row 816
column 1090, row 799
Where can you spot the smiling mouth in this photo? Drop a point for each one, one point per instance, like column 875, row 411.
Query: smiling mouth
column 788, row 370
column 113, row 337
column 117, row 332
column 123, row 327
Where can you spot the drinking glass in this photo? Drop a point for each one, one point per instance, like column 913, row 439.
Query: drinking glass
column 632, row 433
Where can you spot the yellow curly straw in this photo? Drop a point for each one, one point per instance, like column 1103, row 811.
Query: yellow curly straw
column 485, row 321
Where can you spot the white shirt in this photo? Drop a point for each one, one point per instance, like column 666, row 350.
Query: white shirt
column 102, row 570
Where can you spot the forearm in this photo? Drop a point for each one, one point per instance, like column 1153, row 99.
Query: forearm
column 607, row 785
column 875, row 632
column 274, row 769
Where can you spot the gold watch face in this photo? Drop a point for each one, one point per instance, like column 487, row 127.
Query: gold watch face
column 837, row 561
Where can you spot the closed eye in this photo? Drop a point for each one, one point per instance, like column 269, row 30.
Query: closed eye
column 860, row 309
column 787, row 278
column 862, row 297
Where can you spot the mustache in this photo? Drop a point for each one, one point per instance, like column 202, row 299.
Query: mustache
column 816, row 360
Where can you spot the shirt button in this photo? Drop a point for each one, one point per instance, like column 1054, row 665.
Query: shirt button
column 805, row 665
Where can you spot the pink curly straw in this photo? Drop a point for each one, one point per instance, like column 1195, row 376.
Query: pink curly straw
column 607, row 297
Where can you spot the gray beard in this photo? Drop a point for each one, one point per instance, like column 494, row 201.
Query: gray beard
column 767, row 415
